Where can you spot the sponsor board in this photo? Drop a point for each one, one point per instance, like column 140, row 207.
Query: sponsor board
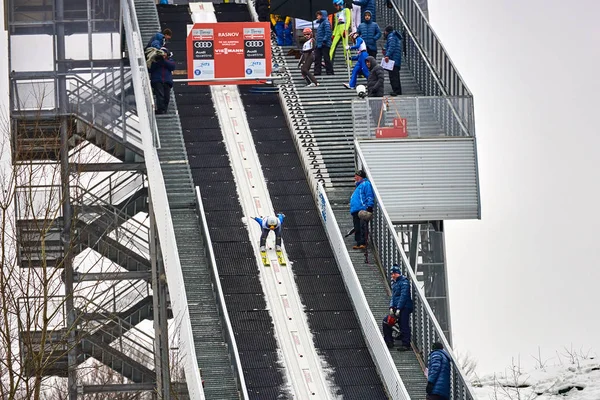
column 227, row 50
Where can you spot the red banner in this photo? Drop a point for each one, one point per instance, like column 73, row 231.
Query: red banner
column 229, row 50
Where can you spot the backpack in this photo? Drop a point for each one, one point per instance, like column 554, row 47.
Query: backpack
column 151, row 53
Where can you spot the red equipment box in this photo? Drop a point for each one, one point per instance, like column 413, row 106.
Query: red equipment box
column 397, row 131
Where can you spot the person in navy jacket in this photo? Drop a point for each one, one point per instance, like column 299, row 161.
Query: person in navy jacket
column 401, row 306
column 393, row 51
column 362, row 199
column 370, row 32
column 323, row 44
column 161, row 79
column 438, row 373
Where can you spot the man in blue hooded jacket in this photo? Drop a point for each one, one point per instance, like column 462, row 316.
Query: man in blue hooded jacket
column 401, row 306
column 370, row 32
column 438, row 373
column 393, row 51
column 159, row 39
column 362, row 200
column 323, row 44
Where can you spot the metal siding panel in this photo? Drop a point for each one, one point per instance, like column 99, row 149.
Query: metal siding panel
column 425, row 179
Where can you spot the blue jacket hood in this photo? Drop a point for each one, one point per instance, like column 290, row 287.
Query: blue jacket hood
column 324, row 14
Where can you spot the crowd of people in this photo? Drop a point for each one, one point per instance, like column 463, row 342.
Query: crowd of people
column 354, row 25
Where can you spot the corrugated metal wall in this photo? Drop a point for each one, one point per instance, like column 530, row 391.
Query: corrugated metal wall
column 424, row 179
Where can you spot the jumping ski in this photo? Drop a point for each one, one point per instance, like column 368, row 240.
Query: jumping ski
column 281, row 258
column 265, row 258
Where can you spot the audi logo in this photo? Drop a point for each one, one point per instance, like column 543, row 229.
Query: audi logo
column 254, row 43
column 202, row 45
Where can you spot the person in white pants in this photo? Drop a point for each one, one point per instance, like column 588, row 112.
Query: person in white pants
column 356, row 17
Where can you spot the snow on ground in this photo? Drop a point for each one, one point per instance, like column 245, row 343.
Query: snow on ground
column 574, row 379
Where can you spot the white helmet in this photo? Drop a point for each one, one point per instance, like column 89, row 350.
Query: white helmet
column 272, row 222
column 361, row 90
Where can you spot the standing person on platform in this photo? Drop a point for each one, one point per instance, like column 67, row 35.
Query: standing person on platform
column 370, row 33
column 342, row 22
column 401, row 306
column 393, row 52
column 362, row 199
column 161, row 79
column 323, row 43
column 306, row 59
column 367, row 5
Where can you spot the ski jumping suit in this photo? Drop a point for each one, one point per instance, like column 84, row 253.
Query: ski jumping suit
column 360, row 59
column 306, row 61
column 284, row 35
column 342, row 22
column 265, row 229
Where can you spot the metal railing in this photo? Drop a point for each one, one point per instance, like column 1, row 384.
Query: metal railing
column 425, row 116
column 160, row 202
column 424, row 52
column 424, row 326
column 236, row 363
column 377, row 347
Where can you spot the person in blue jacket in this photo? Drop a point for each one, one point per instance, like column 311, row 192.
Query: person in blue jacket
column 401, row 306
column 268, row 224
column 367, row 5
column 161, row 79
column 323, row 44
column 438, row 373
column 362, row 200
column 159, row 39
column 393, row 51
column 360, row 59
column 370, row 32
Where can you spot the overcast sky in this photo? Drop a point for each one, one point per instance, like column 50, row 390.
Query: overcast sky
column 528, row 273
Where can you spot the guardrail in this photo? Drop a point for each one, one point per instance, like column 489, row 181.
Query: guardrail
column 236, row 363
column 158, row 195
column 419, row 112
column 379, row 351
column 424, row 326
column 424, row 51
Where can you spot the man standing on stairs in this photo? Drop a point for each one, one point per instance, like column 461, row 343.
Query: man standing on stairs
column 393, row 51
column 362, row 199
column 342, row 22
column 268, row 224
column 159, row 39
column 401, row 306
column 438, row 373
column 323, row 43
column 370, row 32
column 161, row 79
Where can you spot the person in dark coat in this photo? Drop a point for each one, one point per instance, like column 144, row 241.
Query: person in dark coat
column 393, row 51
column 438, row 373
column 401, row 306
column 323, row 44
column 376, row 78
column 370, row 33
column 161, row 79
column 362, row 199
column 367, row 5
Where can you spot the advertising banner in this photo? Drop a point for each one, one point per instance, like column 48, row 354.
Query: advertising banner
column 229, row 50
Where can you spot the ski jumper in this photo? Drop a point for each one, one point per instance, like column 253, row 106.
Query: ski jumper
column 342, row 22
column 306, row 61
column 284, row 35
column 360, row 59
column 356, row 17
column 265, row 229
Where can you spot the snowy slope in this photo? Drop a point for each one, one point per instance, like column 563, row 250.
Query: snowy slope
column 575, row 379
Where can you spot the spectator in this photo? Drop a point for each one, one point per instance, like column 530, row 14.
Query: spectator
column 438, row 373
column 360, row 58
column 306, row 59
column 160, row 39
column 370, row 33
column 367, row 5
column 268, row 224
column 400, row 307
column 375, row 79
column 283, row 29
column 323, row 43
column 361, row 200
column 393, row 51
column 161, row 79
column 342, row 22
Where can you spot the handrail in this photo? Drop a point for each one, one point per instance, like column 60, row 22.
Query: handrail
column 158, row 195
column 236, row 363
column 379, row 351
column 425, row 327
